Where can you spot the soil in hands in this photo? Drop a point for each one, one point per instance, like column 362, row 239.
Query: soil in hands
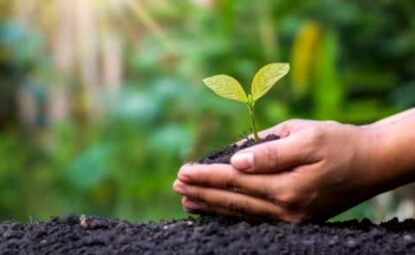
column 223, row 156
column 205, row 235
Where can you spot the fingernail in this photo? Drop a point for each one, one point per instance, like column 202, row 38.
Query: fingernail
column 179, row 187
column 192, row 205
column 183, row 177
column 184, row 173
column 243, row 161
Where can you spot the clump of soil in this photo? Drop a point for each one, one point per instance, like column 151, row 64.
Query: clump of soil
column 224, row 155
column 205, row 235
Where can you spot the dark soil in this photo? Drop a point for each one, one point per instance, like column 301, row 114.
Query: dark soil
column 224, row 155
column 205, row 235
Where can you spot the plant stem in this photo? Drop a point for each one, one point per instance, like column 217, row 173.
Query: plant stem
column 252, row 114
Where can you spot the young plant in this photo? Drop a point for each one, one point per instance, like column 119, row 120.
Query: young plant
column 228, row 87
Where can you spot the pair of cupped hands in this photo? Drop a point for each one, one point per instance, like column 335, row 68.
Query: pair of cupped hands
column 315, row 171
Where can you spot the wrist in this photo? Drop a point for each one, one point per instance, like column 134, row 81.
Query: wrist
column 369, row 165
column 387, row 157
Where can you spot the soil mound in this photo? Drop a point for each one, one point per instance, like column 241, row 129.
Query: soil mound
column 205, row 235
column 223, row 156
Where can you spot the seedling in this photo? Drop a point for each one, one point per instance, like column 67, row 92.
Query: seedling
column 228, row 87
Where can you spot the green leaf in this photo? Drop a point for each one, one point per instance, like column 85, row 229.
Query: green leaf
column 226, row 86
column 266, row 77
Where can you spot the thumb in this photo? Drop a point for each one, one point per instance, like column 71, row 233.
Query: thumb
column 274, row 156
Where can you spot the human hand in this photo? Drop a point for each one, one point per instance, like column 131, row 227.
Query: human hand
column 315, row 171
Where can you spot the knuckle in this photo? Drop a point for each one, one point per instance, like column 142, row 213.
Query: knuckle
column 270, row 157
column 231, row 205
column 230, row 182
column 315, row 136
column 288, row 198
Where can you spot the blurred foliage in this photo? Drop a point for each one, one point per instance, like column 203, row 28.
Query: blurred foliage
column 352, row 61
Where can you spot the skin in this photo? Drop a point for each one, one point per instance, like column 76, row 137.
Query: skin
column 315, row 171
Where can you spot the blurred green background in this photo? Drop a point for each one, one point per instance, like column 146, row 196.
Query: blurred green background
column 101, row 101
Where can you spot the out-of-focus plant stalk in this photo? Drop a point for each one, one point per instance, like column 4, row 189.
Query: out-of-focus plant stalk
column 267, row 30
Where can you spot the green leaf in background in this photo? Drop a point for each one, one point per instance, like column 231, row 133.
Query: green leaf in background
column 227, row 87
column 266, row 77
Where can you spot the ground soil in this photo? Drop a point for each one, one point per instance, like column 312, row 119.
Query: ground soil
column 224, row 155
column 204, row 235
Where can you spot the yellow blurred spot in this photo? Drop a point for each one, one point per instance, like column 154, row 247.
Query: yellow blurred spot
column 304, row 54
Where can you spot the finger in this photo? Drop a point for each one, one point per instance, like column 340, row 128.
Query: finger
column 223, row 176
column 231, row 201
column 194, row 206
column 275, row 156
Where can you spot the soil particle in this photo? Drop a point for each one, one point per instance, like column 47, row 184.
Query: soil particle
column 224, row 155
column 205, row 235
column 83, row 222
